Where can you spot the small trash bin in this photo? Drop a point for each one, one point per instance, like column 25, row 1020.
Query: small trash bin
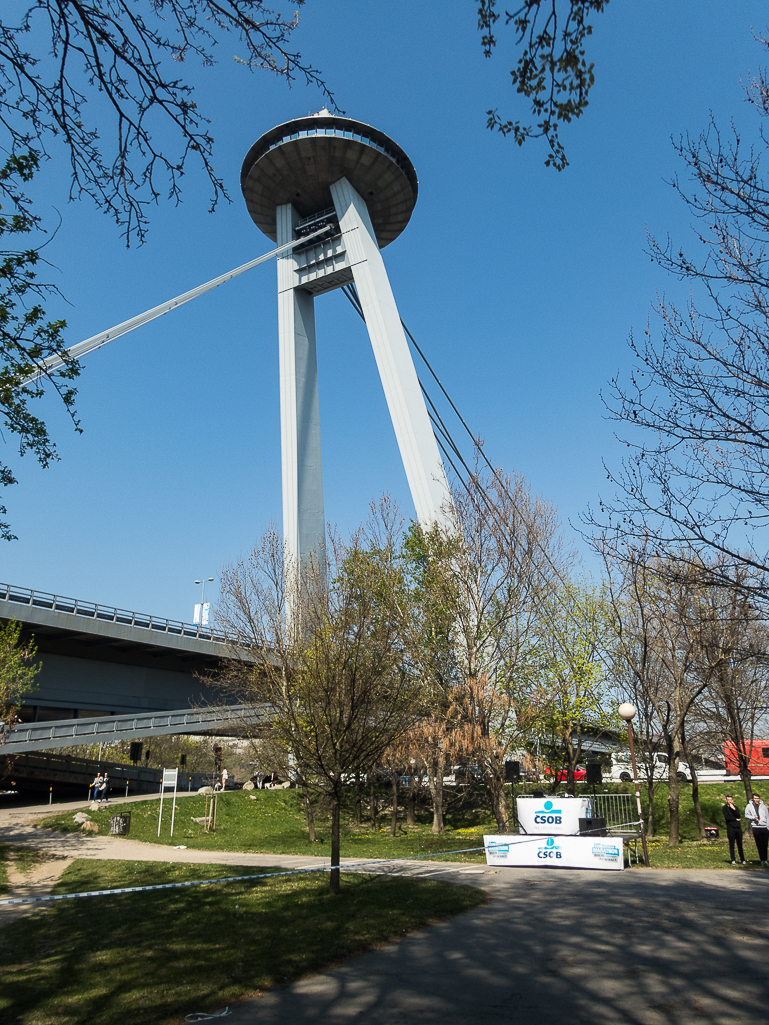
column 711, row 832
column 120, row 825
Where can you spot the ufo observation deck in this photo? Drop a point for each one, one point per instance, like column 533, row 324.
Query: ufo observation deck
column 298, row 161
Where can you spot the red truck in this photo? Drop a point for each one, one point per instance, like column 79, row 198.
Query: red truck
column 758, row 758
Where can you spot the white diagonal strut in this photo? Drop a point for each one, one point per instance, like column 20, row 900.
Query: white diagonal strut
column 96, row 341
column 413, row 430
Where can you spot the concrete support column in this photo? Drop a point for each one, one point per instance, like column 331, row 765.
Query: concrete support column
column 413, row 430
column 304, row 522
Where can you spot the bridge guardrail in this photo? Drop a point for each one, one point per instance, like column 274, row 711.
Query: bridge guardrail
column 106, row 613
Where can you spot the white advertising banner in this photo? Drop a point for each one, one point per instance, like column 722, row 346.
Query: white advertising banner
column 603, row 852
column 552, row 815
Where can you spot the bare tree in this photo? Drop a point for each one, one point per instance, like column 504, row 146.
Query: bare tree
column 82, row 73
column 98, row 85
column 694, row 410
column 657, row 641
column 326, row 652
column 734, row 664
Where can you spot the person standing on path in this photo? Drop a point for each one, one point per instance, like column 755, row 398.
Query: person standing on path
column 104, row 789
column 758, row 814
column 734, row 828
column 93, row 793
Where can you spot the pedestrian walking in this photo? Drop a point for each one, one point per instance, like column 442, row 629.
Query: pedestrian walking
column 104, row 789
column 225, row 777
column 259, row 779
column 758, row 814
column 93, row 792
column 734, row 829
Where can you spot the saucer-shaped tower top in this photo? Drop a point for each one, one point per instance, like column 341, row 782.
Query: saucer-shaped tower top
column 297, row 162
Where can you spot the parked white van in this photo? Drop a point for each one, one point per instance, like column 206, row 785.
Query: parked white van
column 621, row 770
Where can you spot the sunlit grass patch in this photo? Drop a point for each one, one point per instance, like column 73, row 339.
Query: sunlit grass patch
column 146, row 957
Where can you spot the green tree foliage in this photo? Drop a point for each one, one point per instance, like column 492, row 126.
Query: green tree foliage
column 17, row 672
column 576, row 673
column 326, row 652
column 480, row 588
column 552, row 73
column 27, row 338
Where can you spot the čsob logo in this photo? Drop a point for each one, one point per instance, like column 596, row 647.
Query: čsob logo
column 548, row 816
column 549, row 850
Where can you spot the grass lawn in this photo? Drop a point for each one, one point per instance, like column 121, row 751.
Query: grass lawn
column 274, row 823
column 701, row 854
column 147, row 958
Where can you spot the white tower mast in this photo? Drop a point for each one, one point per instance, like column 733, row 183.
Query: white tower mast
column 333, row 170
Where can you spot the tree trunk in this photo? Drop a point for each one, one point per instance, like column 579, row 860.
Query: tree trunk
column 674, row 799
column 333, row 880
column 650, row 822
column 499, row 803
column 695, row 787
column 309, row 813
column 735, row 731
column 374, row 809
column 572, row 757
column 357, row 803
column 696, row 800
column 411, row 802
column 746, row 777
column 435, row 782
column 394, row 811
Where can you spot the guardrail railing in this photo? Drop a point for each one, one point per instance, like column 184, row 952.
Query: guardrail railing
column 67, row 732
column 106, row 613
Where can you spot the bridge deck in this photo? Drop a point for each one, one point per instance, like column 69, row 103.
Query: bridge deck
column 67, row 732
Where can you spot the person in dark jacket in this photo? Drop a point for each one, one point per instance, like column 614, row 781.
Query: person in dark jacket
column 734, row 828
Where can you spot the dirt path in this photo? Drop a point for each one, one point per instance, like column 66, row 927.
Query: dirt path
column 37, row 882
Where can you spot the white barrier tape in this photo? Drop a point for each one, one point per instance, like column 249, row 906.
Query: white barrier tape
column 228, row 879
column 261, row 875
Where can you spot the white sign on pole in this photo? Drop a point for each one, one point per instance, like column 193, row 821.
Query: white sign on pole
column 196, row 615
column 602, row 852
column 170, row 778
column 552, row 815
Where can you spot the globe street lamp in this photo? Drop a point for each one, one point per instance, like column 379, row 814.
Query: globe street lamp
column 627, row 712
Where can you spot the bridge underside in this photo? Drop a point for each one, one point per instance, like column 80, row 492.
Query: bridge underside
column 232, row 720
column 99, row 661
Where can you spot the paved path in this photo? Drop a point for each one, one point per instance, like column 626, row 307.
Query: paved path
column 18, row 828
column 552, row 947
column 559, row 948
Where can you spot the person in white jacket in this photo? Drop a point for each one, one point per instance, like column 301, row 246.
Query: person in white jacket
column 758, row 815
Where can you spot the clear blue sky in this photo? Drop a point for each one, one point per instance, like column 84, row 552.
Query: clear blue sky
column 520, row 283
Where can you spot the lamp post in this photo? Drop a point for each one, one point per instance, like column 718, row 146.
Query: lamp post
column 207, row 580
column 627, row 712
